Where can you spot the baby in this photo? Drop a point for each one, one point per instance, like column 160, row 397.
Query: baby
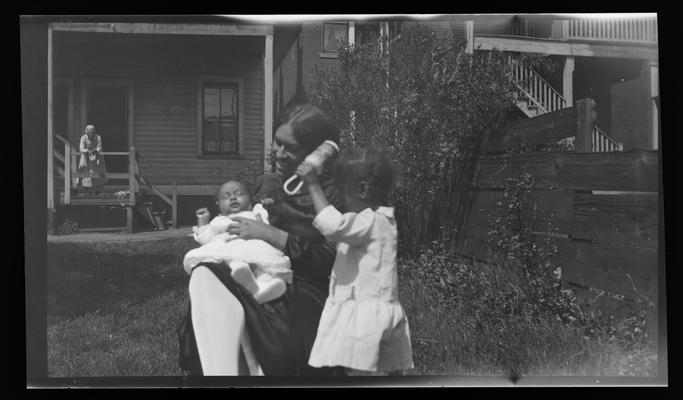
column 261, row 268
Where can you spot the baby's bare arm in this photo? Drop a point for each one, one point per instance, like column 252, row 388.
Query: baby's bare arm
column 202, row 216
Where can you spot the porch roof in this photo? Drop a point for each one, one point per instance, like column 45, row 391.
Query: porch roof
column 165, row 28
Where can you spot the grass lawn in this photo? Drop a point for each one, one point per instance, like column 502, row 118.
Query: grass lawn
column 113, row 309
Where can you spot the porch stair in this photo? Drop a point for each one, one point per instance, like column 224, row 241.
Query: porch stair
column 535, row 96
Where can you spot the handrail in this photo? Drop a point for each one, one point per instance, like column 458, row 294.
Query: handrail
column 537, row 89
column 58, row 136
column 602, row 142
column 172, row 201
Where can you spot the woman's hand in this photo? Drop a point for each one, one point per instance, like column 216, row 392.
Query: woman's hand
column 246, row 228
column 307, row 172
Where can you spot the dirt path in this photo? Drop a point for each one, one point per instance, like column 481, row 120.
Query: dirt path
column 88, row 237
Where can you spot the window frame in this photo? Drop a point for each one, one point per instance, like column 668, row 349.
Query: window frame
column 324, row 53
column 239, row 81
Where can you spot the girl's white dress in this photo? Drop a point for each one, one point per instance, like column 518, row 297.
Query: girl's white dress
column 220, row 246
column 363, row 325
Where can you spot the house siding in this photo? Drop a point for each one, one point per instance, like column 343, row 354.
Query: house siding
column 164, row 72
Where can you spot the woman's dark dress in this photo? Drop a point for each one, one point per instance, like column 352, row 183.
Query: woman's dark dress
column 282, row 331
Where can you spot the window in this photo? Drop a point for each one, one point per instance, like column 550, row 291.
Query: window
column 367, row 32
column 332, row 34
column 219, row 117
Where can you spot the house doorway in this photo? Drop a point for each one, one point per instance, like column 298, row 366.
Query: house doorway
column 107, row 106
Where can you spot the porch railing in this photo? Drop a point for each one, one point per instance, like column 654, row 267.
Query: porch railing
column 69, row 161
column 637, row 29
column 628, row 29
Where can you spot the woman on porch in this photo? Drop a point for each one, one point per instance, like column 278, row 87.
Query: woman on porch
column 91, row 169
column 224, row 318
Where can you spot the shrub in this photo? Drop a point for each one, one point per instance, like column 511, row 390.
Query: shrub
column 529, row 255
column 68, row 227
column 428, row 106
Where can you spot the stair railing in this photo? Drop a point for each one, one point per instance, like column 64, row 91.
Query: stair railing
column 536, row 89
column 539, row 92
column 171, row 201
column 602, row 142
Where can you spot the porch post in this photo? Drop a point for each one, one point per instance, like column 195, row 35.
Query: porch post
column 268, row 99
column 131, row 190
column 654, row 111
column 469, row 36
column 352, row 42
column 50, row 158
column 352, row 32
column 585, row 117
column 568, row 81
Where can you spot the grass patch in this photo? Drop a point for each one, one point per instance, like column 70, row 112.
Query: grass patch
column 113, row 309
column 467, row 337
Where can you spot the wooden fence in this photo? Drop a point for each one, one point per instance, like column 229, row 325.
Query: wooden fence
column 604, row 206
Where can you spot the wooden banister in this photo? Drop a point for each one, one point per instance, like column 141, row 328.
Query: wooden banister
column 131, row 190
column 67, row 173
column 171, row 201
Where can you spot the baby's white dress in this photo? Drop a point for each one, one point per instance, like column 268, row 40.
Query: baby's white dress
column 363, row 325
column 220, row 246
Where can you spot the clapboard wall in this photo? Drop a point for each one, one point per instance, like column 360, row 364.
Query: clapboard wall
column 164, row 70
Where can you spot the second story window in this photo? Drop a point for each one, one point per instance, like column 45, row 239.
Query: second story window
column 332, row 34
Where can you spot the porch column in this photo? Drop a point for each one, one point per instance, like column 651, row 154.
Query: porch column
column 352, row 32
column 654, row 111
column 469, row 36
column 268, row 100
column 568, row 81
column 50, row 158
column 352, row 41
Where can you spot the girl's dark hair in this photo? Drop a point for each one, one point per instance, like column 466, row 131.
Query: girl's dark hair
column 369, row 166
column 310, row 124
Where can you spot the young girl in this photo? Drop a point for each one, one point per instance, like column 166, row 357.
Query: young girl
column 261, row 268
column 363, row 326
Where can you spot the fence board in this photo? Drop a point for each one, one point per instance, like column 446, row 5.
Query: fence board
column 597, row 265
column 604, row 266
column 546, row 128
column 473, row 241
column 635, row 170
column 620, row 218
column 558, row 205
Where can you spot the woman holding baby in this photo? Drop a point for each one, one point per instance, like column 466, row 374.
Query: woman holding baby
column 225, row 320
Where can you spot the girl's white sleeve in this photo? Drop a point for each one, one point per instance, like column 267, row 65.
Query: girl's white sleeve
column 351, row 228
column 260, row 210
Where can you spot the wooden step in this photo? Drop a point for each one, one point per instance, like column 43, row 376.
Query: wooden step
column 101, row 199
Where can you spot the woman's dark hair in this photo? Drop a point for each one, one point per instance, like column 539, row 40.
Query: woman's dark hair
column 310, row 124
column 369, row 166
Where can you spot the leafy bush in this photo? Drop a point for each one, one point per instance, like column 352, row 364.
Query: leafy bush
column 68, row 227
column 428, row 106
